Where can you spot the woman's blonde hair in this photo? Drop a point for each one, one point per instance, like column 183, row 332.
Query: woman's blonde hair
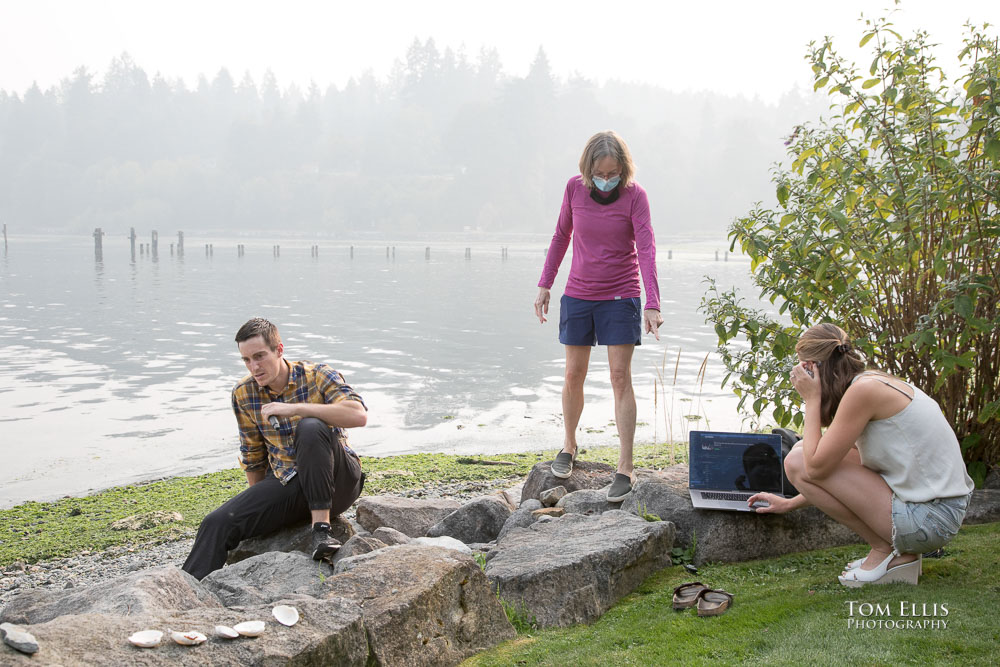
column 838, row 361
column 602, row 145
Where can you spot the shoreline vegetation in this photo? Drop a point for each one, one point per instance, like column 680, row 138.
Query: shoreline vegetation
column 40, row 531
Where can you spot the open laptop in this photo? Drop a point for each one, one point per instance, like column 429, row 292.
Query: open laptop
column 725, row 469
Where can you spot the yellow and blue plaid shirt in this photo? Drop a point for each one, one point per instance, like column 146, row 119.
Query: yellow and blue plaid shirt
column 261, row 445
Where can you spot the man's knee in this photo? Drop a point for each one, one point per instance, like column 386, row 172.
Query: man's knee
column 218, row 521
column 311, row 429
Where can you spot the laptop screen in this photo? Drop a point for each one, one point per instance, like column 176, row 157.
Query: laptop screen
column 735, row 461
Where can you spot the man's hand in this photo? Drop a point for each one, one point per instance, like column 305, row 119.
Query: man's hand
column 653, row 320
column 279, row 410
column 542, row 304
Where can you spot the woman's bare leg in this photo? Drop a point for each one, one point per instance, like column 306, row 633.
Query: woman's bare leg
column 854, row 496
column 577, row 361
column 620, row 361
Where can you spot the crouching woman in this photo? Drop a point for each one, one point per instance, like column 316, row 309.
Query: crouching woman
column 888, row 466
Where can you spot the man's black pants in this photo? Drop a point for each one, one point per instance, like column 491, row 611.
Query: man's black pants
column 327, row 477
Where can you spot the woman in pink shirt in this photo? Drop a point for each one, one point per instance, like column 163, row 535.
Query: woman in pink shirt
column 606, row 214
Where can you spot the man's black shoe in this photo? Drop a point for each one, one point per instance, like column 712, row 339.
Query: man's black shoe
column 324, row 544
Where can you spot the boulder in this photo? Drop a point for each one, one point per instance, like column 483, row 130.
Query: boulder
column 268, row 577
column 530, row 504
column 571, row 570
column 522, row 518
column 585, row 475
column 154, row 589
column 727, row 537
column 390, row 536
column 984, row 506
column 550, row 497
column 444, row 542
column 586, row 501
column 992, row 479
column 476, row 521
column 410, row 516
column 329, row 632
column 293, row 538
column 553, row 512
column 357, row 545
column 422, row 605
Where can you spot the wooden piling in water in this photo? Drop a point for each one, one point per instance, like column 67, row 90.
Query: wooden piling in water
column 468, row 253
column 155, row 243
column 716, row 255
column 352, row 252
column 180, row 244
column 98, row 244
column 427, row 252
column 5, row 238
column 131, row 238
column 394, row 252
column 670, row 254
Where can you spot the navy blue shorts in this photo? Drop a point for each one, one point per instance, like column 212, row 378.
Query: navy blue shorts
column 613, row 322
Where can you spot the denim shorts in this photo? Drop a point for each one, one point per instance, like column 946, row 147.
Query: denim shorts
column 611, row 322
column 922, row 527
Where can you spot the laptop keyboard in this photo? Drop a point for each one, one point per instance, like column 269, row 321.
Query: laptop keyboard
column 717, row 495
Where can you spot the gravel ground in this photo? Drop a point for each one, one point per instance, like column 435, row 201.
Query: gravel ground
column 88, row 568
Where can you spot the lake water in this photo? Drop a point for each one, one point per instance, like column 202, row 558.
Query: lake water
column 116, row 371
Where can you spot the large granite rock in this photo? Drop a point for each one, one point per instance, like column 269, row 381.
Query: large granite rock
column 268, row 577
column 390, row 536
column 984, row 506
column 357, row 545
column 157, row 588
column 523, row 517
column 585, row 475
column 329, row 632
column 476, row 521
column 586, row 501
column 422, row 605
column 722, row 536
column 410, row 516
column 293, row 538
column 571, row 570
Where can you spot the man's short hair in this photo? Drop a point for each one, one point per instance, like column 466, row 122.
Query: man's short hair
column 258, row 326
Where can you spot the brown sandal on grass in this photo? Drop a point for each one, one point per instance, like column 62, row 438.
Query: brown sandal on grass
column 713, row 601
column 686, row 595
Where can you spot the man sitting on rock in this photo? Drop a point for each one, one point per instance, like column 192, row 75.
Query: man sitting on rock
column 293, row 449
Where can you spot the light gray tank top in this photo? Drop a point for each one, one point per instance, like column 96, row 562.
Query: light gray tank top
column 916, row 450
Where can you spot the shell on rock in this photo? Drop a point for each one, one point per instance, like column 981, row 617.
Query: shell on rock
column 250, row 628
column 146, row 638
column 189, row 638
column 226, row 632
column 286, row 615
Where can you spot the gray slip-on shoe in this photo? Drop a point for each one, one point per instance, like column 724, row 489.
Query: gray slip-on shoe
column 562, row 466
column 621, row 487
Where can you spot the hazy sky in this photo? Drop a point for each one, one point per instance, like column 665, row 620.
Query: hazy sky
column 754, row 48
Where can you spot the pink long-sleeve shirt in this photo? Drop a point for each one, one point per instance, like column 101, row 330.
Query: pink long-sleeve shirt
column 611, row 244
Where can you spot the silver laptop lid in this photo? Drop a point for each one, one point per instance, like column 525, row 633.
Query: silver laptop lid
column 749, row 462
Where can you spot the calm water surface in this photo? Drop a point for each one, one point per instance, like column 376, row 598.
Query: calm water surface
column 116, row 371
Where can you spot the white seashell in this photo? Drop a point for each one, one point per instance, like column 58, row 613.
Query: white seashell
column 226, row 632
column 250, row 628
column 190, row 638
column 146, row 638
column 286, row 615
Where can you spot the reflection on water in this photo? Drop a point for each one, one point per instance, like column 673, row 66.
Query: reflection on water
column 126, row 375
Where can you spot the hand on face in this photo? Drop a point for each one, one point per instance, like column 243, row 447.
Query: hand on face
column 805, row 379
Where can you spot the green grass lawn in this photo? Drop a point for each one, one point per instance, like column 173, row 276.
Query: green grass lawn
column 40, row 531
column 791, row 611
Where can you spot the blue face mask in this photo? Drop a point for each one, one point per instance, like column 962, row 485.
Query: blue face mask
column 607, row 185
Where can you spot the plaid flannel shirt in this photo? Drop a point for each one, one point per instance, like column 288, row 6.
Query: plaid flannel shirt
column 261, row 445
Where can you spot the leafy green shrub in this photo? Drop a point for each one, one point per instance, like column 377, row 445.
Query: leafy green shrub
column 887, row 224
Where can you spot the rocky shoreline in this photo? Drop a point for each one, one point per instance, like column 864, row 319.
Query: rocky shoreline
column 88, row 568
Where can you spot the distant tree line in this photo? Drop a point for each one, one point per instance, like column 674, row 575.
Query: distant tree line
column 445, row 143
